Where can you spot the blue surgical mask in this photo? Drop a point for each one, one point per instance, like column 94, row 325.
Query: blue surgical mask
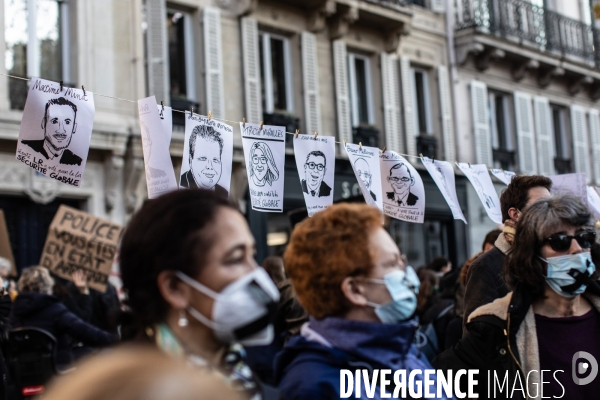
column 403, row 287
column 568, row 275
column 6, row 284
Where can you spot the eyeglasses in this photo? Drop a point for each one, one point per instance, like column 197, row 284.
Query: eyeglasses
column 561, row 242
column 312, row 165
column 262, row 160
column 396, row 179
column 365, row 174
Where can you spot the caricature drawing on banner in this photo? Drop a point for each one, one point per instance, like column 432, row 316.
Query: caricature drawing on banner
column 593, row 200
column 365, row 163
column 55, row 132
column 504, row 176
column 166, row 118
column 160, row 175
column 443, row 176
column 574, row 184
column 404, row 197
column 480, row 179
column 264, row 151
column 315, row 160
column 207, row 155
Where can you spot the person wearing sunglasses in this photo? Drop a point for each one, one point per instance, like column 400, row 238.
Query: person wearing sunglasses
column 361, row 297
column 551, row 316
column 314, row 173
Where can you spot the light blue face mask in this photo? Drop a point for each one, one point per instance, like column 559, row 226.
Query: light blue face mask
column 568, row 275
column 403, row 287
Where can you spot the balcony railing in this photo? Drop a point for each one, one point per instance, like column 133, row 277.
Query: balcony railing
column 523, row 21
column 397, row 3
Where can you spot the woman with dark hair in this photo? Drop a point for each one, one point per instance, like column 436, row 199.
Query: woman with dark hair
column 195, row 291
column 550, row 317
column 427, row 296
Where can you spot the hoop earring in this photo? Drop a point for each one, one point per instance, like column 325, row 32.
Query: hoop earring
column 183, row 321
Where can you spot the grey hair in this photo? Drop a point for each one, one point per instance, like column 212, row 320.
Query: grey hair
column 36, row 279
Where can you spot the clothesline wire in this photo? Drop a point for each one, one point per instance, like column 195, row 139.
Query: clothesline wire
column 183, row 111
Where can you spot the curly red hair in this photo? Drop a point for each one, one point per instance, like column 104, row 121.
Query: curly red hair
column 327, row 248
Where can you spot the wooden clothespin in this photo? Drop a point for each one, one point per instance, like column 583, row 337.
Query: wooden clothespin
column 384, row 148
column 344, row 142
column 297, row 132
column 192, row 110
column 360, row 145
column 261, row 125
column 421, row 155
column 61, row 86
column 83, row 88
column 162, row 104
column 209, row 114
column 244, row 122
column 316, row 134
column 469, row 165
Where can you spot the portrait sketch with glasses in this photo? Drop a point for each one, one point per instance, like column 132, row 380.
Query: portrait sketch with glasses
column 313, row 183
column 262, row 166
column 363, row 172
column 401, row 182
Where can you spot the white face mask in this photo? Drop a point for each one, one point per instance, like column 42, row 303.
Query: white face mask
column 568, row 275
column 243, row 311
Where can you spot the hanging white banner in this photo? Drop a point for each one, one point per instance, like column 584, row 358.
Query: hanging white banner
column 574, row 184
column 264, row 151
column 160, row 175
column 55, row 132
column 593, row 202
column 403, row 190
column 365, row 163
column 504, row 176
column 207, row 155
column 166, row 118
column 315, row 160
column 443, row 176
column 479, row 177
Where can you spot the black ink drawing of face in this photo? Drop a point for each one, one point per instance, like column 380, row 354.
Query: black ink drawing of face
column 363, row 171
column 262, row 165
column 146, row 140
column 59, row 126
column 314, row 171
column 206, row 163
column 442, row 178
column 400, row 179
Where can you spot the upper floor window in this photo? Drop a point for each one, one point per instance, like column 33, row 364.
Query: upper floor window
column 421, row 101
column 275, row 73
column 562, row 162
column 36, row 35
column 501, row 126
column 181, row 56
column 359, row 74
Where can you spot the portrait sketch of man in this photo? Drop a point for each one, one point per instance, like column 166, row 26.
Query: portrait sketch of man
column 205, row 151
column 314, row 172
column 489, row 203
column 59, row 125
column 443, row 181
column 401, row 180
column 147, row 144
column 262, row 165
column 364, row 174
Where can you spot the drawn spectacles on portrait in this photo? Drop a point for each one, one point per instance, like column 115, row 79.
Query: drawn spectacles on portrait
column 365, row 174
column 262, row 160
column 312, row 165
column 396, row 179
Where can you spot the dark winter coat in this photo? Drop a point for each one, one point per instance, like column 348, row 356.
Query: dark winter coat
column 47, row 312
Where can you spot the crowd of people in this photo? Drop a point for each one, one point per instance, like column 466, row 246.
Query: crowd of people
column 203, row 320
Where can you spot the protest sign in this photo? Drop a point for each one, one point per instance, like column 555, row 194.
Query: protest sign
column 593, row 200
column 5, row 249
column 160, row 175
column 502, row 175
column 166, row 118
column 480, row 179
column 207, row 155
column 79, row 241
column 443, row 176
column 264, row 150
column 365, row 164
column 574, row 184
column 54, row 138
column 404, row 197
column 315, row 161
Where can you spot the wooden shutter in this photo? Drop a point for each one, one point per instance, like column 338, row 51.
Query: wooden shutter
column 544, row 135
column 213, row 60
column 390, row 79
column 525, row 133
column 342, row 95
column 481, row 123
column 250, row 52
column 407, row 103
column 446, row 113
column 580, row 142
column 595, row 137
column 156, row 45
column 310, row 75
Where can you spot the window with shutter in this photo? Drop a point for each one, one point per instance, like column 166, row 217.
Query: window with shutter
column 361, row 97
column 595, row 137
column 501, row 130
column 310, row 75
column 252, row 85
column 213, row 61
column 562, row 151
column 391, row 102
column 525, row 133
column 275, row 73
column 407, row 104
column 342, row 91
column 545, row 136
column 156, row 49
column 580, row 142
column 446, row 113
column 481, row 123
